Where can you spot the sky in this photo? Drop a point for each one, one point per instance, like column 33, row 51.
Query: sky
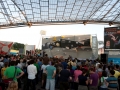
column 32, row 36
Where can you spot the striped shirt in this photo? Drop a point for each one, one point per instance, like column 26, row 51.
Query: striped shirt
column 113, row 83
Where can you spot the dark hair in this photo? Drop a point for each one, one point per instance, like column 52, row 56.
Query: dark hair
column 28, row 62
column 108, row 67
column 12, row 63
column 104, row 67
column 24, row 61
column 6, row 64
column 100, row 66
column 104, row 73
column 84, row 71
column 68, row 67
column 52, row 63
column 31, row 61
column 112, row 72
column 78, row 67
column 45, row 60
column 17, row 61
column 117, row 66
column 111, row 67
column 91, row 69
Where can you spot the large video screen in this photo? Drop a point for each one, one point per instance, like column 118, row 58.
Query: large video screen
column 112, row 38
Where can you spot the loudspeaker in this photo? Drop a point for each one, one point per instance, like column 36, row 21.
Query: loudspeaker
column 104, row 58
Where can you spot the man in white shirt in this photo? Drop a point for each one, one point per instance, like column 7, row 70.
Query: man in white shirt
column 32, row 71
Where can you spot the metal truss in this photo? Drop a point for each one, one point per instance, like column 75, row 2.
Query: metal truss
column 17, row 13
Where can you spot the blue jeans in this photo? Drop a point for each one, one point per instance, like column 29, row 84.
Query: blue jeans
column 50, row 84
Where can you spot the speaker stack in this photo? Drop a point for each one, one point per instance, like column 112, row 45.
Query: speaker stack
column 104, row 58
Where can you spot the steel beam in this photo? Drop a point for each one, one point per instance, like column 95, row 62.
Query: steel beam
column 20, row 11
column 116, row 17
column 109, row 10
column 98, row 9
column 5, row 11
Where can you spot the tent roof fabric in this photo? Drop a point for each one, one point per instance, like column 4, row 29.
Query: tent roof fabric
column 43, row 12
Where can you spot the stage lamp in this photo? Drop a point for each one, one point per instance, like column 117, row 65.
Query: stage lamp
column 29, row 24
column 11, row 23
column 110, row 23
column 84, row 22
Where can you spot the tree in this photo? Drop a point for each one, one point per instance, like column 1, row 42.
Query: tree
column 17, row 46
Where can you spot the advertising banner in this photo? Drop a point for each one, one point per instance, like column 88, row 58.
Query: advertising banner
column 112, row 44
column 112, row 38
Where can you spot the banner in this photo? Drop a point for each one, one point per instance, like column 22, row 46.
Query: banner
column 112, row 38
column 5, row 47
column 112, row 44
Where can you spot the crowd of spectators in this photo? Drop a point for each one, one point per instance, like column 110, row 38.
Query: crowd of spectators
column 57, row 73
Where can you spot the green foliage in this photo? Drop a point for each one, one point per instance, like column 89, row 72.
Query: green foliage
column 37, row 51
column 17, row 46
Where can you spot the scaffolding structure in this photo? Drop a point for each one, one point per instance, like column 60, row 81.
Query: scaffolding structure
column 18, row 13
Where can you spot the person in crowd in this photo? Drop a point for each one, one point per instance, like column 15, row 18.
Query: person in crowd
column 6, row 59
column 40, row 62
column 70, row 62
column 78, row 63
column 64, row 63
column 59, row 67
column 6, row 64
column 32, row 71
column 43, row 68
column 86, row 63
column 51, row 72
column 112, row 81
column 37, row 66
column 117, row 71
column 83, row 80
column 64, row 79
column 18, row 64
column 103, row 85
column 99, row 70
column 74, row 65
column 71, row 82
column 77, row 72
column 105, row 68
column 117, row 68
column 1, row 62
column 39, row 71
column 9, row 72
column 93, row 80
